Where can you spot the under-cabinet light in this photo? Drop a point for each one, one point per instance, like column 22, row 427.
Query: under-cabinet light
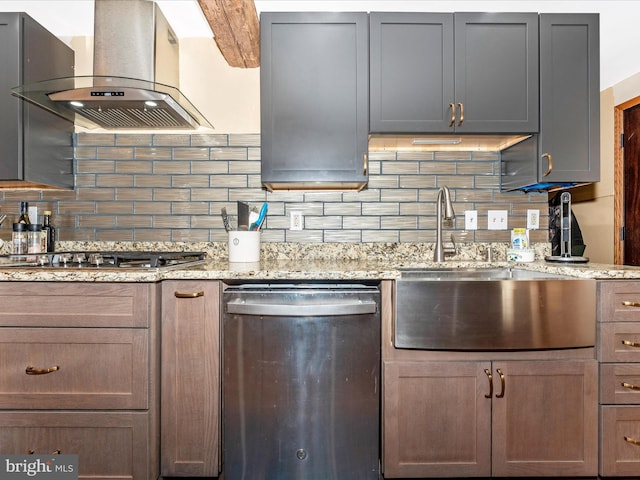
column 436, row 141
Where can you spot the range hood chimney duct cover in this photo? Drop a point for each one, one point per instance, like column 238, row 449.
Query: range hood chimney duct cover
column 135, row 75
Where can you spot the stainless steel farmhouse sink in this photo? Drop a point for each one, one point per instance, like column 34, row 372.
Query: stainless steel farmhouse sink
column 493, row 309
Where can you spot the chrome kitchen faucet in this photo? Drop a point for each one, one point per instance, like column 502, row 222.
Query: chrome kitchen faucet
column 444, row 197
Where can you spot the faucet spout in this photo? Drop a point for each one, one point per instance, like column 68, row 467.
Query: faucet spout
column 444, row 198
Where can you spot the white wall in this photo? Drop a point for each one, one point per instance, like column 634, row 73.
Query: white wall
column 595, row 210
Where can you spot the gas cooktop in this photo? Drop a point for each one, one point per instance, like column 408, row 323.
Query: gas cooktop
column 106, row 260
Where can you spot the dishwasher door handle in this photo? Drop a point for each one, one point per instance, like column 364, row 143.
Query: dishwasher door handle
column 244, row 307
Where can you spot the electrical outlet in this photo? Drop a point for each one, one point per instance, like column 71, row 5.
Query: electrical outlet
column 533, row 219
column 497, row 220
column 297, row 221
column 471, row 220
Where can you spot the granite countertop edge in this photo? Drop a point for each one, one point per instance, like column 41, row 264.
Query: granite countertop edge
column 290, row 261
column 276, row 270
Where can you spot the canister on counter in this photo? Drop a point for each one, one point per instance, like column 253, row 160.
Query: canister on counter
column 19, row 239
column 34, row 238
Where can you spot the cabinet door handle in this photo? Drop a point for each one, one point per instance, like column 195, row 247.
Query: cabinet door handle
column 502, row 383
column 41, row 371
column 189, row 294
column 364, row 158
column 550, row 165
column 628, row 303
column 629, row 343
column 490, row 377
column 630, row 386
column 453, row 114
column 461, row 107
column 55, row 452
column 632, row 441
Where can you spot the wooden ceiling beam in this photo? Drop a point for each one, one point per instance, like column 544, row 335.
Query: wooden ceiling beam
column 236, row 30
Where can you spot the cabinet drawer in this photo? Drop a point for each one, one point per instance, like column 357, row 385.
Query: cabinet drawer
column 66, row 304
column 620, row 383
column 108, row 445
column 619, row 301
column 97, row 368
column 620, row 441
column 619, row 342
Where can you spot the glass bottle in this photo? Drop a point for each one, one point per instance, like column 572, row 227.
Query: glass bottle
column 24, row 213
column 48, row 233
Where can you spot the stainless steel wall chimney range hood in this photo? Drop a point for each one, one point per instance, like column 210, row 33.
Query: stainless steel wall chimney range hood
column 135, row 75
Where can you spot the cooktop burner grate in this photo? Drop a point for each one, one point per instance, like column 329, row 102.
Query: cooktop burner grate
column 88, row 259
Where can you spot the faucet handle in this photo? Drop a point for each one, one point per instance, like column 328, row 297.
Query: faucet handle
column 450, row 250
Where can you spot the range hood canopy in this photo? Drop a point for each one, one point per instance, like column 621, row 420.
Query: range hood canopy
column 135, row 66
column 114, row 103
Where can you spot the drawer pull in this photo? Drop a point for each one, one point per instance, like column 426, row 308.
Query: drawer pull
column 453, row 114
column 630, row 386
column 189, row 295
column 629, row 343
column 43, row 371
column 502, row 384
column 55, row 452
column 632, row 441
column 490, row 377
column 461, row 107
column 628, row 303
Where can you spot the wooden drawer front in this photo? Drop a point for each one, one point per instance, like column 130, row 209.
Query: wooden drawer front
column 620, row 383
column 619, row 342
column 619, row 301
column 66, row 304
column 98, row 368
column 619, row 456
column 108, row 445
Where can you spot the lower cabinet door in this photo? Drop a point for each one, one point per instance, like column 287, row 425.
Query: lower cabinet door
column 545, row 420
column 620, row 441
column 436, row 419
column 190, row 414
column 108, row 445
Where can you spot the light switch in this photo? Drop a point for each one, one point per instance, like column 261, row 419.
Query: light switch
column 497, row 220
column 471, row 220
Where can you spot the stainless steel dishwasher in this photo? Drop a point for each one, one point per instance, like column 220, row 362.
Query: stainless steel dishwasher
column 301, row 382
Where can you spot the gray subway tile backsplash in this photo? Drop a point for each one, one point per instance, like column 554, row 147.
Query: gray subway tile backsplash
column 167, row 187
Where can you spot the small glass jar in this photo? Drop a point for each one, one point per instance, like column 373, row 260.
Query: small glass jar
column 34, row 238
column 19, row 239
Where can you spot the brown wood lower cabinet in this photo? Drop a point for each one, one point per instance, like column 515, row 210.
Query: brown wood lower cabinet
column 190, row 444
column 109, row 445
column 80, row 375
column 619, row 354
column 490, row 418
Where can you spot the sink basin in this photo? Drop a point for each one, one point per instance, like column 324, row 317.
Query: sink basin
column 474, row 274
column 493, row 309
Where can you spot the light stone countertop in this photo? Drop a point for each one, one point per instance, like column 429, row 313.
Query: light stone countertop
column 306, row 262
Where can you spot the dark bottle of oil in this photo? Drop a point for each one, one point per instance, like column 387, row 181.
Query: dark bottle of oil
column 24, row 213
column 48, row 231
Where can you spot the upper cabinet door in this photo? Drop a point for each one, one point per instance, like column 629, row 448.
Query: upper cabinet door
column 411, row 72
column 463, row 72
column 314, row 88
column 496, row 63
column 569, row 98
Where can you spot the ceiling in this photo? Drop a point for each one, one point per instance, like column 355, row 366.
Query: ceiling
column 618, row 19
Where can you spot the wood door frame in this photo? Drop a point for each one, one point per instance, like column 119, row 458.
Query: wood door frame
column 618, row 178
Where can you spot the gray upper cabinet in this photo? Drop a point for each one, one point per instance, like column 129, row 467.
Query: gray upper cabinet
column 567, row 150
column 314, row 100
column 36, row 147
column 463, row 72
